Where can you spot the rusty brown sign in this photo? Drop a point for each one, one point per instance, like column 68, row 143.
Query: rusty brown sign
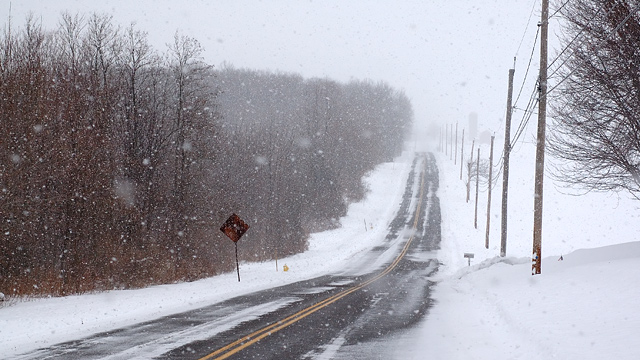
column 234, row 227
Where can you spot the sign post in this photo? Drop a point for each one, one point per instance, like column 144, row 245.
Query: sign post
column 469, row 256
column 234, row 228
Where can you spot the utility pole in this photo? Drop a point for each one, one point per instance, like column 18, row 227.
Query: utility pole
column 505, row 170
column 451, row 142
column 461, row 154
column 455, row 157
column 542, row 114
column 473, row 143
column 475, row 219
column 486, row 238
column 446, row 140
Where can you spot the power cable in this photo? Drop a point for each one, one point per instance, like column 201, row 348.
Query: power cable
column 525, row 120
column 528, row 112
column 528, row 109
column 535, row 41
column 559, row 9
column 527, row 26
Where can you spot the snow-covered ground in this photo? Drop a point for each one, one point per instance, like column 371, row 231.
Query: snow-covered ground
column 585, row 306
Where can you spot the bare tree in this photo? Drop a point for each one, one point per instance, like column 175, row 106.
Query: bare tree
column 189, row 121
column 597, row 108
column 118, row 167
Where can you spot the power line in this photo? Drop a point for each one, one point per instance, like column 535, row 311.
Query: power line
column 527, row 26
column 528, row 66
column 528, row 109
column 525, row 110
column 530, row 103
column 528, row 112
column 559, row 9
column 525, row 121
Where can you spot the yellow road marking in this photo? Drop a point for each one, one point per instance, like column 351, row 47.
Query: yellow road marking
column 258, row 335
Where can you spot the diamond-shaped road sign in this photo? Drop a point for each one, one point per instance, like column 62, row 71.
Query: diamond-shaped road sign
column 234, row 227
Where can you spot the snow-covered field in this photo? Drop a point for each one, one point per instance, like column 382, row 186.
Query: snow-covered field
column 584, row 307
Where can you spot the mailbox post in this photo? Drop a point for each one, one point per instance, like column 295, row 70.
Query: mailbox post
column 469, row 256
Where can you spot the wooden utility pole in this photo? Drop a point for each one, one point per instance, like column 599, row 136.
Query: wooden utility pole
column 505, row 170
column 486, row 238
column 461, row 154
column 475, row 219
column 469, row 171
column 542, row 114
column 451, row 142
column 446, row 140
column 455, row 156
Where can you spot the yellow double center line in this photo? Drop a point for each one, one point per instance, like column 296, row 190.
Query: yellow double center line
column 246, row 341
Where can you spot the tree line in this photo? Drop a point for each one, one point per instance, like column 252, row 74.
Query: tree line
column 120, row 163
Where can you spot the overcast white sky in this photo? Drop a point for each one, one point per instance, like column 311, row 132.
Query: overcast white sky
column 450, row 56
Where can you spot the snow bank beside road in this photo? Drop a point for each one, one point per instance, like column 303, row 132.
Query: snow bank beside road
column 583, row 307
